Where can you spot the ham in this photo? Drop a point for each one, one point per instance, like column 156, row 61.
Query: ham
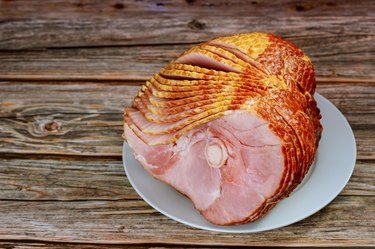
column 231, row 123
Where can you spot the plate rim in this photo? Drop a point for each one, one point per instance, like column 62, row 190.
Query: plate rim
column 228, row 229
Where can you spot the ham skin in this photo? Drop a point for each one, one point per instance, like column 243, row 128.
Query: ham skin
column 231, row 123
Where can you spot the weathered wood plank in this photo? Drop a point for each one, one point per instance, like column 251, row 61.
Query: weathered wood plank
column 60, row 133
column 57, row 245
column 115, row 63
column 356, row 101
column 67, row 179
column 61, row 8
column 113, row 222
column 58, row 24
column 62, row 245
column 138, row 62
column 97, row 135
column 20, row 99
column 72, row 179
column 335, row 57
column 86, row 119
column 362, row 180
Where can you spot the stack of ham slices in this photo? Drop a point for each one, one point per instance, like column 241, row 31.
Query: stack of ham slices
column 231, row 123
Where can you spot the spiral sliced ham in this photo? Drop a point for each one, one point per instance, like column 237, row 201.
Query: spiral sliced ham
column 231, row 123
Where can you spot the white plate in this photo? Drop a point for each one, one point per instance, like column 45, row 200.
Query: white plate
column 333, row 167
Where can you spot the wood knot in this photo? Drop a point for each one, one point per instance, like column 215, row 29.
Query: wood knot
column 196, row 25
column 302, row 8
column 190, row 1
column 79, row 4
column 331, row 4
column 47, row 126
column 52, row 126
column 118, row 6
column 121, row 229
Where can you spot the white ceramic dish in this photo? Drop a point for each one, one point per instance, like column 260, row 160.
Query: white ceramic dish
column 333, row 167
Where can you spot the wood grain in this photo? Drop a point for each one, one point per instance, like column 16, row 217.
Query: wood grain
column 30, row 98
column 113, row 63
column 97, row 23
column 115, row 222
column 86, row 119
column 62, row 8
column 61, row 133
column 334, row 57
column 62, row 245
column 22, row 99
column 96, row 135
column 67, row 69
column 68, row 179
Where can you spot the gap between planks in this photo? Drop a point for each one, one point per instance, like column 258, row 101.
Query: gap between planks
column 124, row 80
column 35, row 244
column 62, row 178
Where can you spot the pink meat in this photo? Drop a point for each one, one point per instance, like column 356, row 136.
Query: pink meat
column 231, row 123
column 202, row 60
column 226, row 191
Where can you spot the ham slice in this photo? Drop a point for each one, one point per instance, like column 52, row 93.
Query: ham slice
column 188, row 71
column 204, row 58
column 231, row 123
column 214, row 186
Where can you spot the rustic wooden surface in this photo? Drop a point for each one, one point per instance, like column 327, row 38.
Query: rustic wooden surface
column 67, row 68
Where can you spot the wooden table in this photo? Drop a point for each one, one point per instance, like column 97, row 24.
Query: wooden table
column 67, row 69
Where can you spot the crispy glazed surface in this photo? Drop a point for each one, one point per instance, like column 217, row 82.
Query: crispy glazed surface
column 257, row 72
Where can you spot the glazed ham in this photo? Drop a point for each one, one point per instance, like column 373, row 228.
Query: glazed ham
column 231, row 123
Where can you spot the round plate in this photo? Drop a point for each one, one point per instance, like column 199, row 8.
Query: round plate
column 333, row 167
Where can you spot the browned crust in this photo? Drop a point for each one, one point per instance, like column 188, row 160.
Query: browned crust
column 279, row 82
